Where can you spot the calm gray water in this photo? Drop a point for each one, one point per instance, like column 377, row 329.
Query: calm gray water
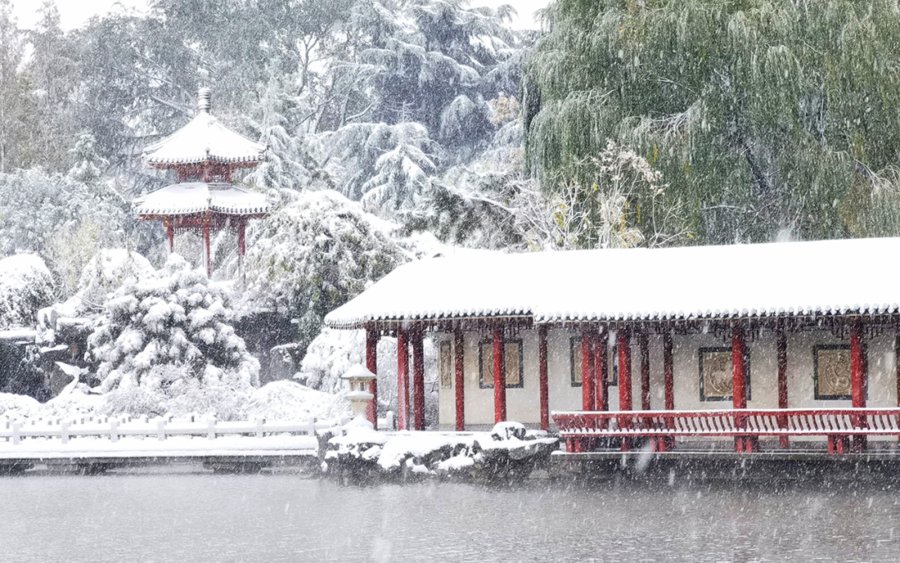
column 283, row 517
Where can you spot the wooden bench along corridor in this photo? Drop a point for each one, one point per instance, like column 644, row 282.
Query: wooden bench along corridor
column 582, row 430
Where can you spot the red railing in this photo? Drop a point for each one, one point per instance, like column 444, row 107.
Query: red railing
column 579, row 427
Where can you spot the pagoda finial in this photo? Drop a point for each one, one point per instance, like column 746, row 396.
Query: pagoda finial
column 204, row 94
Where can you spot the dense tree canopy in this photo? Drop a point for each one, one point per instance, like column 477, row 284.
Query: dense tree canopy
column 764, row 116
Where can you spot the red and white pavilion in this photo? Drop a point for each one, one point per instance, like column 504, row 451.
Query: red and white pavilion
column 204, row 154
column 653, row 347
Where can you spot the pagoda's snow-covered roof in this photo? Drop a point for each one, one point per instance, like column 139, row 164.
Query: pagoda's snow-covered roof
column 700, row 282
column 204, row 139
column 198, row 197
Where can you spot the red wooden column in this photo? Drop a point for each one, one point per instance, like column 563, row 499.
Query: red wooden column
column 206, row 247
column 601, row 372
column 739, row 384
column 418, row 350
column 897, row 365
column 170, row 234
column 623, row 342
column 644, row 346
column 543, row 385
column 668, row 387
column 781, row 352
column 499, row 376
column 402, row 380
column 587, row 370
column 372, row 366
column 459, row 379
column 858, row 381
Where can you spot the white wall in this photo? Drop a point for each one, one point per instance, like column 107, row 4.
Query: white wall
column 523, row 404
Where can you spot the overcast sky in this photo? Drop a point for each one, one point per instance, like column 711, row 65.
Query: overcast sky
column 75, row 13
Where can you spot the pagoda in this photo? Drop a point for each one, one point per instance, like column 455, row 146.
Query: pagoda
column 204, row 154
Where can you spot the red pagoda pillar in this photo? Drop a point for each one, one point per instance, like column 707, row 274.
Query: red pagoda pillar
column 644, row 347
column 587, row 370
column 601, row 372
column 668, row 387
column 624, row 346
column 418, row 350
column 543, row 385
column 402, row 380
column 372, row 366
column 781, row 353
column 739, row 386
column 459, row 381
column 499, row 376
column 858, row 381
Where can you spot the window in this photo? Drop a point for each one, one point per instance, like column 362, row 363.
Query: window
column 446, row 364
column 575, row 361
column 831, row 363
column 512, row 356
column 612, row 371
column 717, row 376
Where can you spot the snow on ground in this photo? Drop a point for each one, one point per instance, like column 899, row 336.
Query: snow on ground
column 276, row 401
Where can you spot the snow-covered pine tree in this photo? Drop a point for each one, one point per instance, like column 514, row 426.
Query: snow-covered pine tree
column 168, row 337
column 312, row 256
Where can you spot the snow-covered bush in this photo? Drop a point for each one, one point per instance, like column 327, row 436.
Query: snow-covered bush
column 26, row 285
column 286, row 400
column 170, row 334
column 107, row 271
column 312, row 256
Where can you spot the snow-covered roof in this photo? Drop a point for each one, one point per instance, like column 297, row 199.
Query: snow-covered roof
column 204, row 139
column 700, row 282
column 197, row 197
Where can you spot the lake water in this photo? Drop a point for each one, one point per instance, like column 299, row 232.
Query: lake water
column 165, row 516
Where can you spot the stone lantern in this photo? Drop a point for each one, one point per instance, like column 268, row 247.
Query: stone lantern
column 359, row 379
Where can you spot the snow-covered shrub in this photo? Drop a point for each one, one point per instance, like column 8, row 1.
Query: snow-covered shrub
column 334, row 352
column 170, row 334
column 26, row 285
column 107, row 271
column 312, row 256
column 286, row 400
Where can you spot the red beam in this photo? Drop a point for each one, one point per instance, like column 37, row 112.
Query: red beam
column 587, row 371
column 644, row 345
column 418, row 350
column 781, row 352
column 543, row 378
column 459, row 382
column 499, row 376
column 624, row 347
column 858, row 381
column 402, row 380
column 372, row 365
